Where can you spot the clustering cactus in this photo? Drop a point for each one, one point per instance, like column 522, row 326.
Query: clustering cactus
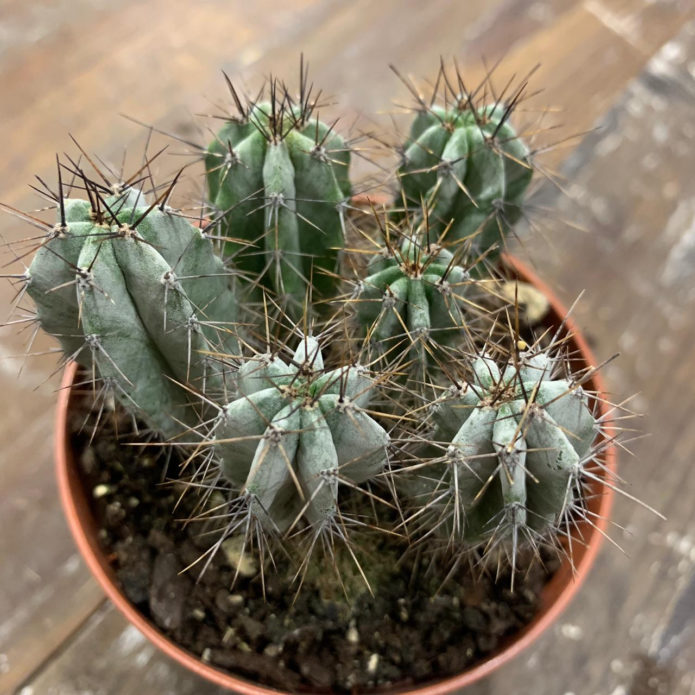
column 516, row 443
column 161, row 311
column 295, row 431
column 137, row 290
column 278, row 180
column 468, row 165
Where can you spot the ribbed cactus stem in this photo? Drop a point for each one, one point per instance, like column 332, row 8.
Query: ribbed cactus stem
column 139, row 293
column 412, row 293
column 279, row 180
column 518, row 442
column 295, row 432
column 470, row 169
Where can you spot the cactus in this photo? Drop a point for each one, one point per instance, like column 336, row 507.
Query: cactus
column 137, row 290
column 468, row 166
column 413, row 293
column 164, row 314
column 279, row 180
column 517, row 444
column 295, row 432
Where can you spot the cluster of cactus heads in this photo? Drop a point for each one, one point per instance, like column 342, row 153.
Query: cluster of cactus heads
column 208, row 330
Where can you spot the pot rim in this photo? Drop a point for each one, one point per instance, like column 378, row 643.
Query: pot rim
column 556, row 595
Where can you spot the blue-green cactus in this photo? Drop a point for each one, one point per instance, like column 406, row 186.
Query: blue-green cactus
column 295, row 431
column 158, row 310
column 411, row 294
column 467, row 165
column 516, row 444
column 279, row 181
column 137, row 291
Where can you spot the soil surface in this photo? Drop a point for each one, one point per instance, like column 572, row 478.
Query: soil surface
column 414, row 629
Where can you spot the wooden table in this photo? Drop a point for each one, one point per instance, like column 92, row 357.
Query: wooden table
column 621, row 71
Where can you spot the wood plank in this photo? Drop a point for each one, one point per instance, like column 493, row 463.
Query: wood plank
column 143, row 72
column 27, row 24
column 115, row 658
column 46, row 590
column 644, row 24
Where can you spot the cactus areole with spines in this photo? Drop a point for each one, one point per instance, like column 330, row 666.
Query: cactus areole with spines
column 278, row 179
column 516, row 443
column 295, row 432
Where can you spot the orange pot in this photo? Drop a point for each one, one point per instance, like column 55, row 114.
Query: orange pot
column 557, row 593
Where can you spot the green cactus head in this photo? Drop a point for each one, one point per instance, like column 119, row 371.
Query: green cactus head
column 413, row 297
column 464, row 161
column 278, row 180
column 295, row 432
column 515, row 445
column 135, row 291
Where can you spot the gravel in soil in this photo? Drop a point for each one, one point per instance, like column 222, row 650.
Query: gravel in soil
column 413, row 630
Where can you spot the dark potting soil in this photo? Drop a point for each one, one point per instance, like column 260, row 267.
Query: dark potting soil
column 414, row 629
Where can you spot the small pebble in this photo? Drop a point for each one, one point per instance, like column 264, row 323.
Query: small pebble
column 273, row 650
column 532, row 302
column 88, row 460
column 239, row 557
column 573, row 632
column 101, row 491
column 373, row 664
column 229, row 633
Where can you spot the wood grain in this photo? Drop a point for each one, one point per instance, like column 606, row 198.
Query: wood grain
column 108, row 657
column 75, row 66
column 632, row 631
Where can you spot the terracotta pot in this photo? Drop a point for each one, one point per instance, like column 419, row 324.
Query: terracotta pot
column 557, row 593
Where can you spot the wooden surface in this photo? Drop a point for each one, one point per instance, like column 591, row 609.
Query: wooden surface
column 622, row 69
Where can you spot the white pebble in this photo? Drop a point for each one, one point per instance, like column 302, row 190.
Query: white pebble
column 101, row 491
column 352, row 636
